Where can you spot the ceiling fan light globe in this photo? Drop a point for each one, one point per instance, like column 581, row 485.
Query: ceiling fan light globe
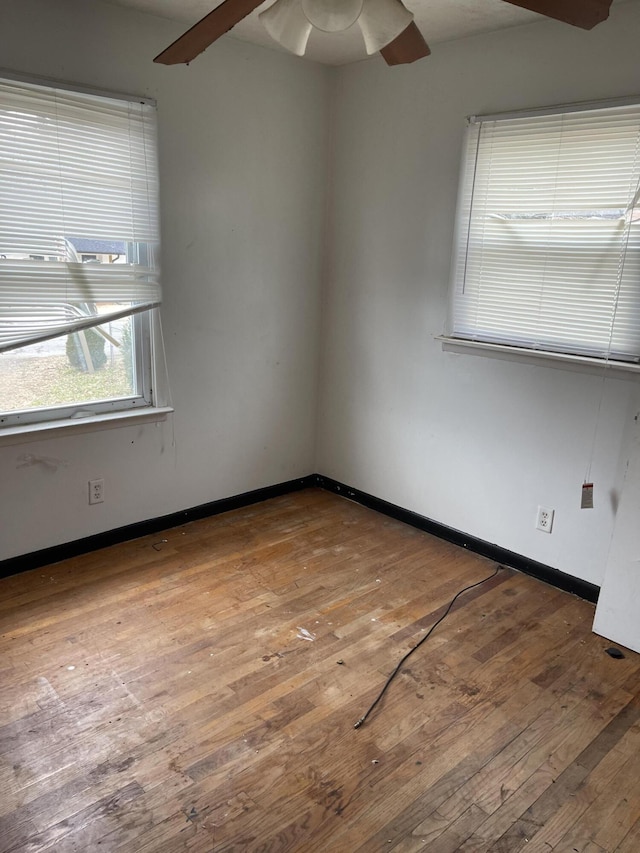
column 287, row 24
column 382, row 21
column 332, row 16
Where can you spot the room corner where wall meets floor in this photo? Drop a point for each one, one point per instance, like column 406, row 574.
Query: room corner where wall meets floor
column 65, row 551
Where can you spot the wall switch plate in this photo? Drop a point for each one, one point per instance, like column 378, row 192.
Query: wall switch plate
column 96, row 491
column 544, row 519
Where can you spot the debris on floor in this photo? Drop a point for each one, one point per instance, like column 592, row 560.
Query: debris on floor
column 614, row 653
column 303, row 634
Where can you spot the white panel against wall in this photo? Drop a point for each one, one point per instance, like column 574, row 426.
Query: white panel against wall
column 618, row 610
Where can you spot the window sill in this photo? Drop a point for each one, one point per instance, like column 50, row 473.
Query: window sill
column 69, row 426
column 559, row 361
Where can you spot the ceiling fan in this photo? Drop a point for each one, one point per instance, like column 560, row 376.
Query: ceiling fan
column 387, row 25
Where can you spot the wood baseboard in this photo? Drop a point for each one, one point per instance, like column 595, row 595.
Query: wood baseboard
column 46, row 556
column 542, row 572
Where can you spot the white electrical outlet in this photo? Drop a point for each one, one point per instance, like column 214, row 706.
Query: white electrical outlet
column 96, row 491
column 544, row 519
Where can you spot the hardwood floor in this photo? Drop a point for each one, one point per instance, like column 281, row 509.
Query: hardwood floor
column 197, row 691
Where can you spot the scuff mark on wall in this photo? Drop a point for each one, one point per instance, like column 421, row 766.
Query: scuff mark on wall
column 27, row 460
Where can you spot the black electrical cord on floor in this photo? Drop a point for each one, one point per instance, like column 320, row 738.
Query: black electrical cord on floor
column 417, row 645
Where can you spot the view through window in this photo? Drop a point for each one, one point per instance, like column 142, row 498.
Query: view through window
column 78, row 250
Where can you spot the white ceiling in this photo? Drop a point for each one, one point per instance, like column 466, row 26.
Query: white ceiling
column 439, row 20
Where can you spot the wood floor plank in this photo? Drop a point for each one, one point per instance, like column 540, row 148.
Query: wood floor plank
column 543, row 825
column 197, row 690
column 631, row 841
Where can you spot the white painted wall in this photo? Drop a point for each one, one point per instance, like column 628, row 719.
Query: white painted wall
column 474, row 443
column 243, row 147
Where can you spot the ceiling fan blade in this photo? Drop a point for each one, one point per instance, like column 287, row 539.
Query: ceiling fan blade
column 407, row 47
column 206, row 31
column 580, row 13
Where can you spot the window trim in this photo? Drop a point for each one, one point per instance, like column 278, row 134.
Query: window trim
column 541, row 358
column 53, row 429
column 69, row 86
column 624, row 369
column 146, row 331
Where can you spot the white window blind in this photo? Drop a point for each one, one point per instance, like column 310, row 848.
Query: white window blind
column 74, row 167
column 548, row 233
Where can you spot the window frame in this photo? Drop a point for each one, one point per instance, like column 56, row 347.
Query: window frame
column 143, row 349
column 484, row 342
column 151, row 390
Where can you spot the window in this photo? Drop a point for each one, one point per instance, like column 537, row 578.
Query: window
column 547, row 253
column 78, row 252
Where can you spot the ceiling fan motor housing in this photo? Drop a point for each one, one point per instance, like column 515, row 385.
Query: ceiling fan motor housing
column 332, row 16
